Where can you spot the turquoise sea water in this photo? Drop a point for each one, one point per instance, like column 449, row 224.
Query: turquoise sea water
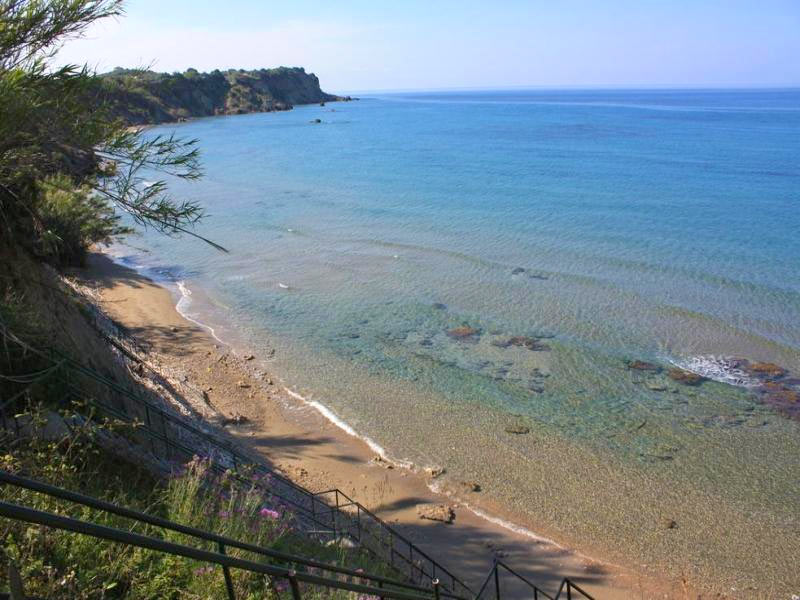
column 608, row 225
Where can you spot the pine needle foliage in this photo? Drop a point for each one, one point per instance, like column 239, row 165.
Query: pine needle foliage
column 54, row 123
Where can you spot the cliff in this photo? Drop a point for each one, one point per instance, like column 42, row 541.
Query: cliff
column 145, row 97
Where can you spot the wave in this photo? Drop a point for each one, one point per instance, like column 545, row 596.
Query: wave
column 184, row 302
column 344, row 426
column 718, row 368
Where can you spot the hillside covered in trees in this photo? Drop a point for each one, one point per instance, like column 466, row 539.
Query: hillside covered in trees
column 143, row 97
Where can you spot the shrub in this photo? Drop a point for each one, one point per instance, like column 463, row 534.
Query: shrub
column 73, row 219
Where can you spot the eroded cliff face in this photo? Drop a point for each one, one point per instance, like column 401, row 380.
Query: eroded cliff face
column 145, row 97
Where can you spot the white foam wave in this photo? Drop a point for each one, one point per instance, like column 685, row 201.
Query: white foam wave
column 334, row 418
column 283, row 286
column 718, row 368
column 182, row 309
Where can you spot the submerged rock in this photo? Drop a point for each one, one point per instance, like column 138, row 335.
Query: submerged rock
column 521, row 341
column 517, row 429
column 439, row 306
column 785, row 401
column 685, row 377
column 517, row 271
column 464, row 333
column 640, row 365
column 470, row 486
column 655, row 386
column 502, row 343
column 766, row 369
column 436, row 512
column 668, row 523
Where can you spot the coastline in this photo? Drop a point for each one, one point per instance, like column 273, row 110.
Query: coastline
column 318, row 450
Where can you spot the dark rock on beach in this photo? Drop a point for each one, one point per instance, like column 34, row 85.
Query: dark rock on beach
column 436, row 512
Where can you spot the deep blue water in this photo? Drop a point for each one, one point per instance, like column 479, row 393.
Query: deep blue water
column 610, row 225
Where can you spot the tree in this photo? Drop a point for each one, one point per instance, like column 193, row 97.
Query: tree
column 53, row 121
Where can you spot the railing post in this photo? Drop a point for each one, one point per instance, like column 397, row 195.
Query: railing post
column 293, row 584
column 569, row 590
column 435, row 583
column 226, row 572
column 17, row 591
column 496, row 582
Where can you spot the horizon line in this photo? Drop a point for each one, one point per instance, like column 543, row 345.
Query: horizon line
column 576, row 87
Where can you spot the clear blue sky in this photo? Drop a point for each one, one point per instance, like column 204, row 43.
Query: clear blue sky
column 356, row 45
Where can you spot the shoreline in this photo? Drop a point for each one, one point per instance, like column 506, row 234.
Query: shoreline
column 312, row 445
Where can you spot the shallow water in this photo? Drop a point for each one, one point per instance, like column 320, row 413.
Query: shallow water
column 608, row 226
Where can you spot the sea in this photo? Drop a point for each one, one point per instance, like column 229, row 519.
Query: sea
column 465, row 278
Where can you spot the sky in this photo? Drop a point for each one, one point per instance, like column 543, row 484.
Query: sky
column 355, row 45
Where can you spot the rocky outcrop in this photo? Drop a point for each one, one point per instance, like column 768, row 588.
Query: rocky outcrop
column 144, row 97
column 436, row 512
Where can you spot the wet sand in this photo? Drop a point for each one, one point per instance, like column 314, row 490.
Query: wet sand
column 296, row 439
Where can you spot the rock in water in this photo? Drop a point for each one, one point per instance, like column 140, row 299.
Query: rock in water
column 684, row 377
column 669, row 523
column 463, row 333
column 517, row 429
column 640, row 365
column 766, row 369
column 436, row 512
column 471, row 486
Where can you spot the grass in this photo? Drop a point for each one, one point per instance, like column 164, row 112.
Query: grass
column 56, row 564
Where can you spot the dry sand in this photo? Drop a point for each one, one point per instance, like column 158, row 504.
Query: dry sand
column 295, row 438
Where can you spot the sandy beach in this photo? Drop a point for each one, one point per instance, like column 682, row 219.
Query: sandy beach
column 296, row 438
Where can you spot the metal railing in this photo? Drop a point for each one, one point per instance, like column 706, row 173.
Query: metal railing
column 30, row 515
column 376, row 585
column 168, row 435
column 567, row 587
column 387, row 585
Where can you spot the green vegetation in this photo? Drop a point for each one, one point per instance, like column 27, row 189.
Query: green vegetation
column 61, row 565
column 141, row 97
column 70, row 165
column 56, row 122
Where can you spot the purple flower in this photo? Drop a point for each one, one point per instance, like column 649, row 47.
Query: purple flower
column 282, row 585
column 204, row 570
column 269, row 513
column 224, row 514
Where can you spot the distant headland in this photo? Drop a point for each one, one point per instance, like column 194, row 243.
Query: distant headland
column 141, row 97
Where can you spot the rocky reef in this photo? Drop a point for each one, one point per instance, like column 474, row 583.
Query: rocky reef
column 144, row 97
